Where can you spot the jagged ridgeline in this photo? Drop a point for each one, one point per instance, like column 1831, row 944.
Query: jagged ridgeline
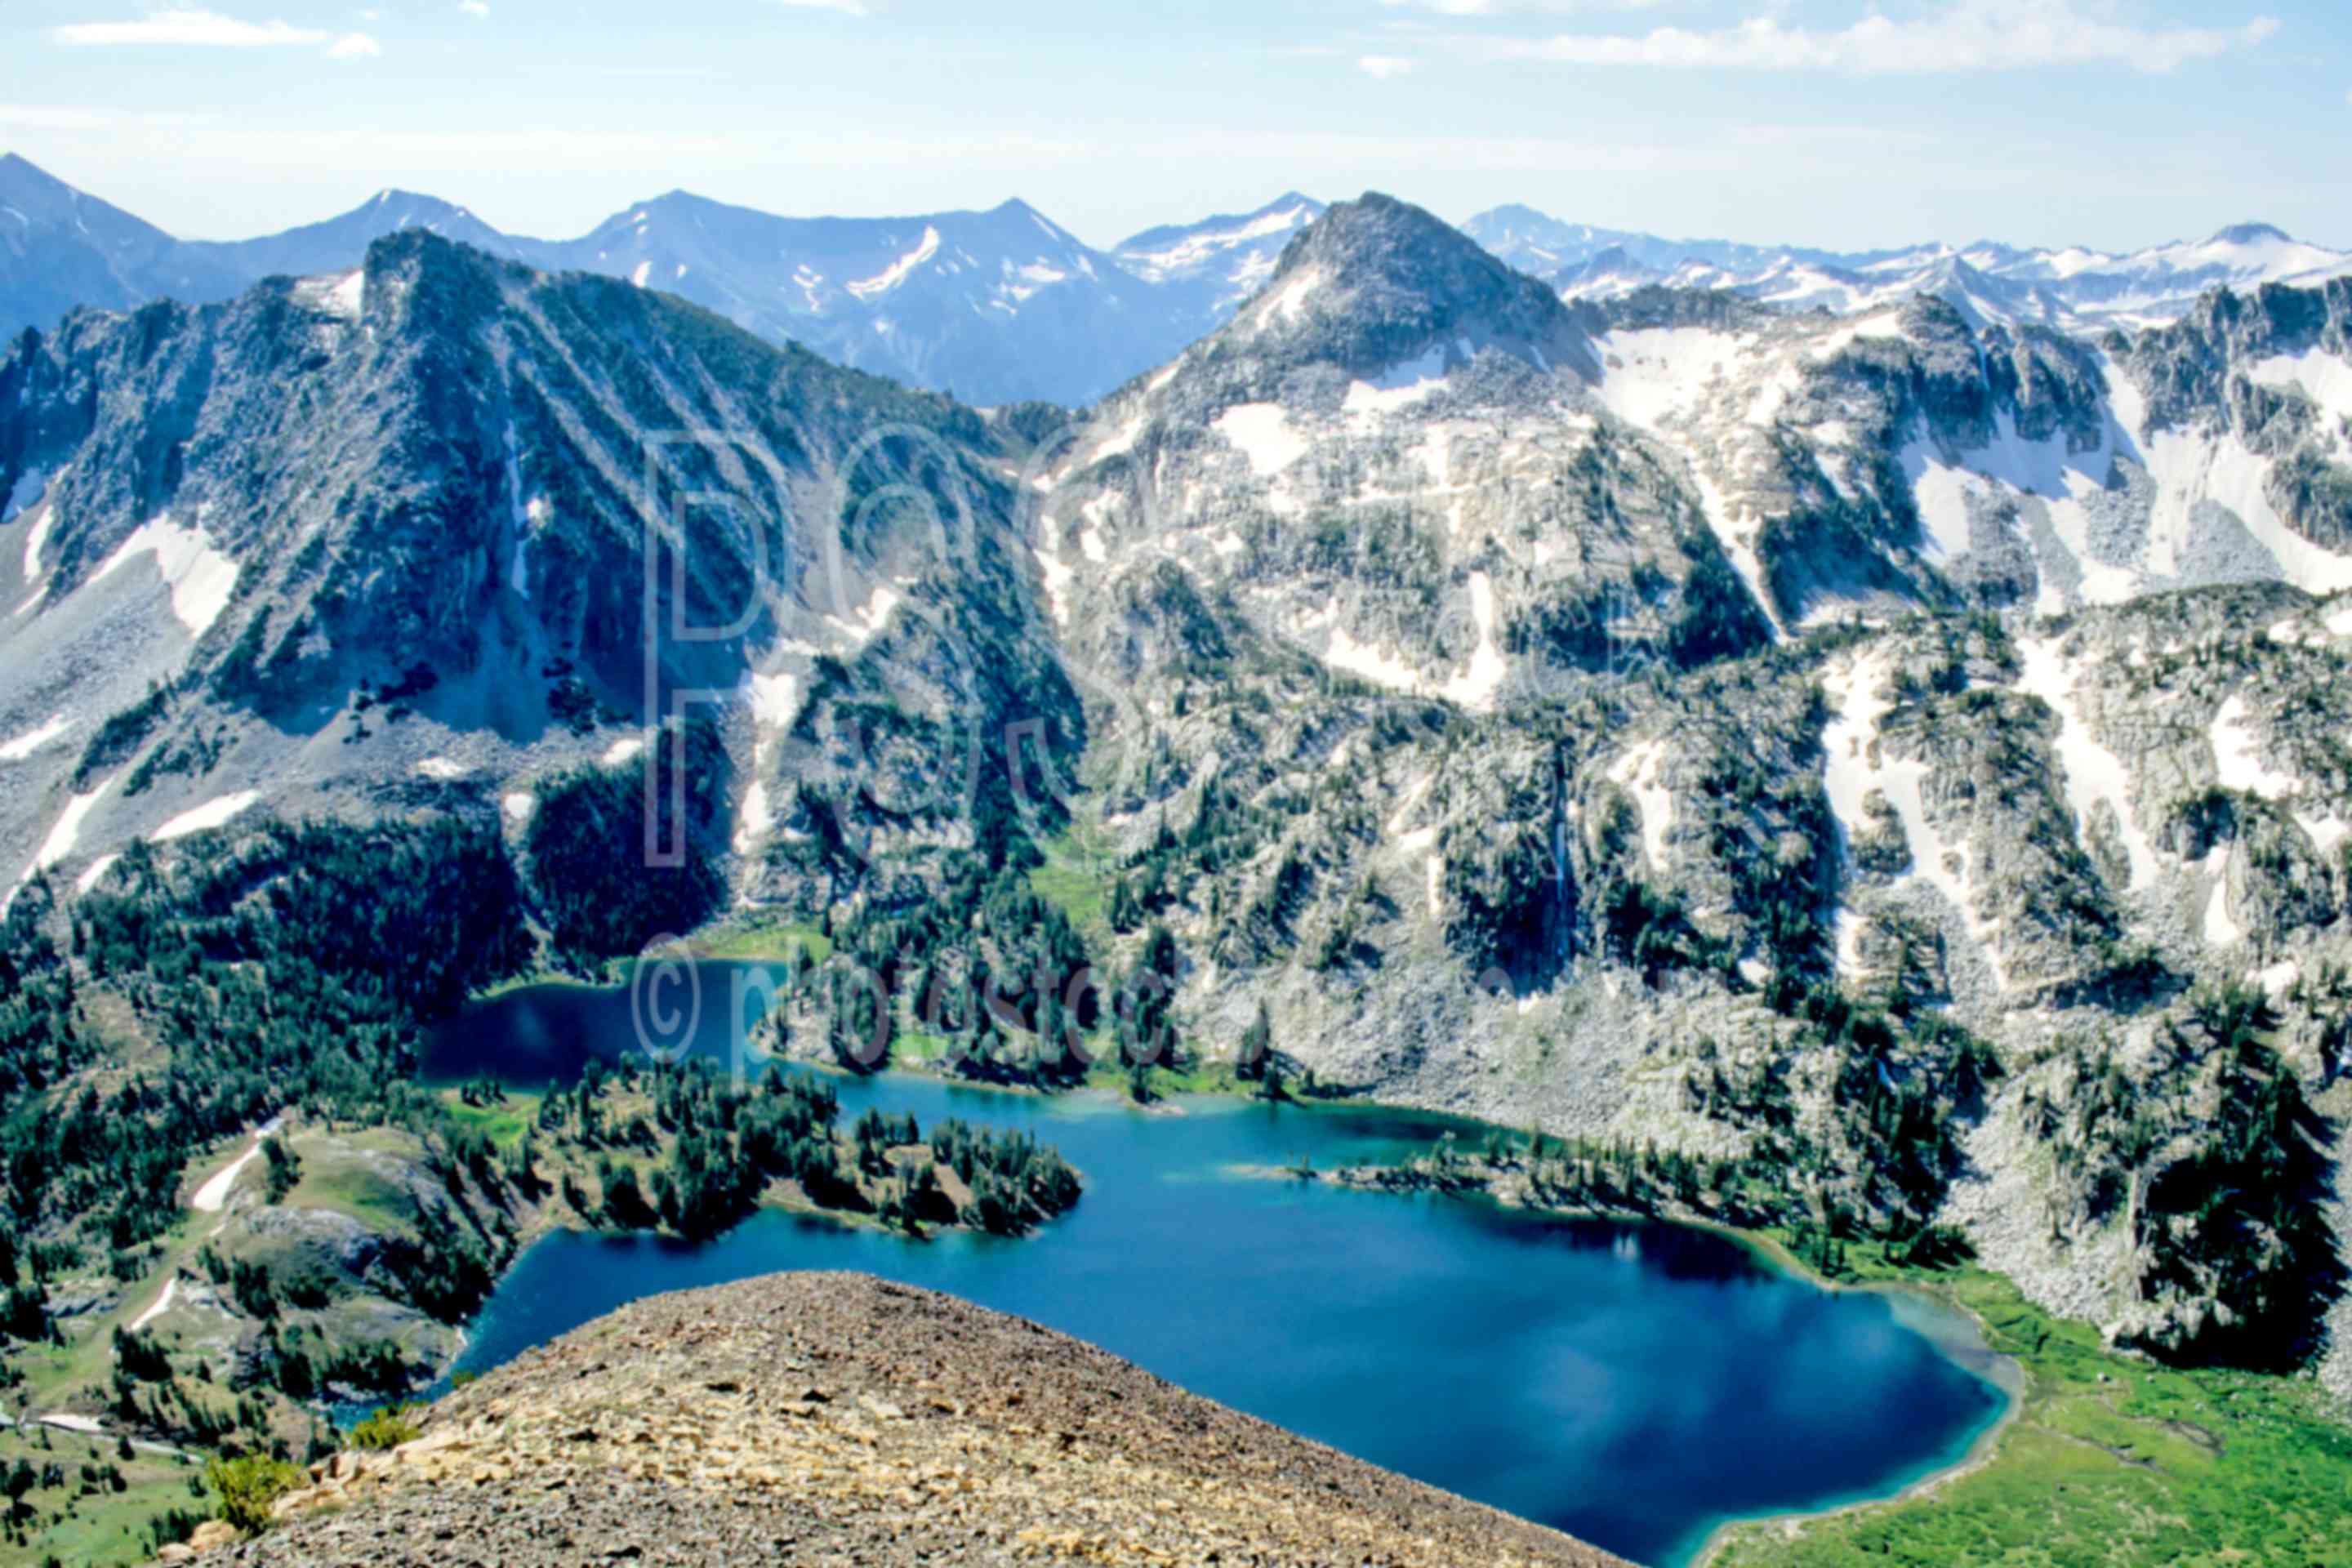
column 1884, row 765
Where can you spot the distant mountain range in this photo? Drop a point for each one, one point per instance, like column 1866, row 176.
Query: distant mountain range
column 2072, row 289
column 1006, row 306
column 998, row 307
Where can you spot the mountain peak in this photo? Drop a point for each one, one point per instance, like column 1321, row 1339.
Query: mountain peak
column 1381, row 244
column 1016, row 211
column 2253, row 234
column 1377, row 281
column 1518, row 213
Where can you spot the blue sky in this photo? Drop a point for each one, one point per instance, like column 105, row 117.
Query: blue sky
column 1843, row 123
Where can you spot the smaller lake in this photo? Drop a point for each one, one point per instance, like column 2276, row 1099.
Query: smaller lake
column 1632, row 1384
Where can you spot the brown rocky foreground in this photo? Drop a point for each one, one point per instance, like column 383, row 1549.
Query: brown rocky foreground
column 835, row 1418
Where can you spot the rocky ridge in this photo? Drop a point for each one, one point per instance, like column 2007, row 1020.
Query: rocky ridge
column 837, row 1418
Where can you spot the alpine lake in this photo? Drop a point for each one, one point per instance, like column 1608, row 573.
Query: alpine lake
column 1634, row 1384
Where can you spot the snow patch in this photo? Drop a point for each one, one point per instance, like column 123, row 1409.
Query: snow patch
column 1344, row 652
column 161, row 1305
column 2237, row 755
column 2094, row 773
column 1058, row 578
column 442, row 768
column 1286, row 305
column 67, row 830
column 1640, row 771
column 2327, row 832
column 1853, row 770
column 339, row 296
column 2190, row 467
column 890, row 277
column 2221, row 930
column 1655, row 373
column 622, row 753
column 212, row 1197
column 2279, row 978
column 1477, row 686
column 520, row 806
column 1263, row 433
column 774, row 698
column 1117, row 444
column 32, row 741
column 37, row 538
column 1399, row 386
column 200, row 577
column 88, row 880
column 867, row 622
column 216, row 813
column 1942, row 495
column 2324, row 378
column 753, row 820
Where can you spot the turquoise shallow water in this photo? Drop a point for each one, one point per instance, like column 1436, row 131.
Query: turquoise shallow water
column 1634, row 1384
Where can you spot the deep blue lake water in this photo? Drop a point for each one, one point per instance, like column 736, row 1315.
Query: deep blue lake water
column 1632, row 1384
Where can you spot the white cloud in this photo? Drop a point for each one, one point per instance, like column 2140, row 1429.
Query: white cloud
column 210, row 29
column 1384, row 67
column 199, row 28
column 477, row 9
column 846, row 7
column 1967, row 36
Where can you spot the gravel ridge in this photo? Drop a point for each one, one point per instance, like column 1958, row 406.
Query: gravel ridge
column 837, row 1418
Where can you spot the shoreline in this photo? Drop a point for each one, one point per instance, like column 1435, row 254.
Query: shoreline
column 2004, row 1373
column 1973, row 1354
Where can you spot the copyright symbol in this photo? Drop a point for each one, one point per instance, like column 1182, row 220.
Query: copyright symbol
column 666, row 999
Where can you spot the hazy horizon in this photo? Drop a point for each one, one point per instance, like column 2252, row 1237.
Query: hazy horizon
column 2113, row 124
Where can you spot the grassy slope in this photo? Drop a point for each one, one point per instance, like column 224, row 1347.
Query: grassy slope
column 775, row 942
column 1075, row 878
column 106, row 1527
column 2112, row 1462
